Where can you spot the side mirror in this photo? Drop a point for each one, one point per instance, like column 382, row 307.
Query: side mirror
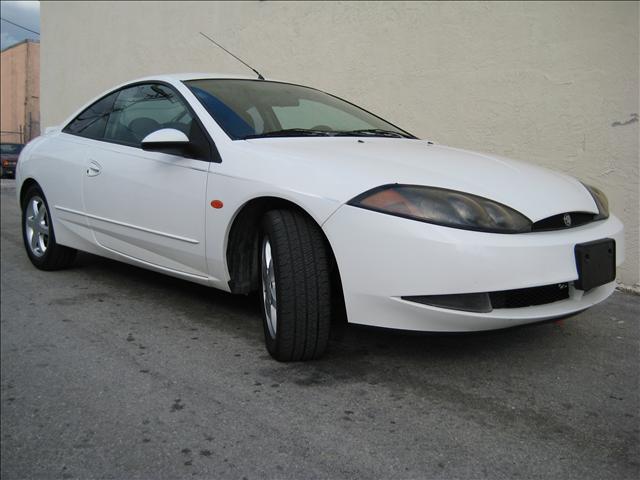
column 167, row 140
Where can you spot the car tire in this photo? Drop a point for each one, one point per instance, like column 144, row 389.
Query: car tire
column 38, row 234
column 295, row 289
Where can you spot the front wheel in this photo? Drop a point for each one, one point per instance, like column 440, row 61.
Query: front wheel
column 38, row 235
column 296, row 293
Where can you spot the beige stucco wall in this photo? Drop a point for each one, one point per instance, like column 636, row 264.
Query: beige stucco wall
column 551, row 83
column 20, row 92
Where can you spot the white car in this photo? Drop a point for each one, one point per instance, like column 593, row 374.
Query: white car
column 250, row 185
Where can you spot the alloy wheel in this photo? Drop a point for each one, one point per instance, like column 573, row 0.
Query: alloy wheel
column 37, row 226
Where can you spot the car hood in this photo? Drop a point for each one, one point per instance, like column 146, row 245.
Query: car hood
column 343, row 167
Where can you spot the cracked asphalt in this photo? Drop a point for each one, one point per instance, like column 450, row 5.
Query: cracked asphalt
column 111, row 371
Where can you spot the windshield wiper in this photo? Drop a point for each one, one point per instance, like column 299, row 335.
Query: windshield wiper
column 374, row 132
column 291, row 132
column 308, row 132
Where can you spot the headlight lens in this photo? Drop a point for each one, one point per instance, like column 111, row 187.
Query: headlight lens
column 601, row 201
column 443, row 207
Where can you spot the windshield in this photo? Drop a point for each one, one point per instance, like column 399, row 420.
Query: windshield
column 10, row 148
column 255, row 108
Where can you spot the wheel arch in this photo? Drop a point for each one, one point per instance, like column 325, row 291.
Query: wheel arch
column 24, row 188
column 242, row 246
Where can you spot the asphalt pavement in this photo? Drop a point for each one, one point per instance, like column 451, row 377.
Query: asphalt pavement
column 111, row 371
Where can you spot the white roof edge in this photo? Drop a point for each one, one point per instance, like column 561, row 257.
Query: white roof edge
column 192, row 76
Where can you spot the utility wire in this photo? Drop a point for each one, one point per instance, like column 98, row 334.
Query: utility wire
column 20, row 26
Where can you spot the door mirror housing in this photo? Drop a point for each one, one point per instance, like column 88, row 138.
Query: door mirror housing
column 168, row 140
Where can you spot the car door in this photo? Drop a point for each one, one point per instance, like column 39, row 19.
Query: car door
column 148, row 206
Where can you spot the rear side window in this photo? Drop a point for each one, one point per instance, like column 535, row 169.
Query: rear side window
column 91, row 122
column 143, row 109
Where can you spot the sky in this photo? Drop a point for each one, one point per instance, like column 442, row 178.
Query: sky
column 23, row 13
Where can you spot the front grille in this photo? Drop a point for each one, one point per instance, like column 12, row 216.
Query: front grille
column 527, row 297
column 559, row 222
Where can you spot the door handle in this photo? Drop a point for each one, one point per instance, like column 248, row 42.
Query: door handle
column 93, row 169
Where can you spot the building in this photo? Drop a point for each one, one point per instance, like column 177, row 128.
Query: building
column 20, row 100
column 553, row 83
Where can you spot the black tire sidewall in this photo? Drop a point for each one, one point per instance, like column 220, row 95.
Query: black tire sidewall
column 303, row 295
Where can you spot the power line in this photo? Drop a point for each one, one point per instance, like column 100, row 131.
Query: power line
column 20, row 26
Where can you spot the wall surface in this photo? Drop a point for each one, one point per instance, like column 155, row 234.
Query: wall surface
column 551, row 83
column 20, row 92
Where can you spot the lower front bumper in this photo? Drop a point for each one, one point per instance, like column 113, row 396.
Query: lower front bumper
column 382, row 258
column 406, row 315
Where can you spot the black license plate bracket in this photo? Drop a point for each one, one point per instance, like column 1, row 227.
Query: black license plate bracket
column 596, row 263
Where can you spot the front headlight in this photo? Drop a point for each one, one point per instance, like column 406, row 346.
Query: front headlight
column 443, row 207
column 601, row 201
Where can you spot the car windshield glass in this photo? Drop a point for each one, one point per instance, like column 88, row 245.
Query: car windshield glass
column 254, row 108
column 10, row 148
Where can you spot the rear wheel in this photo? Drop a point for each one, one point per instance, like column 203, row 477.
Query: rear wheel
column 38, row 235
column 295, row 293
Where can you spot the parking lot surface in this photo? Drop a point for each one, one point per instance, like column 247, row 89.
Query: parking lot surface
column 111, row 371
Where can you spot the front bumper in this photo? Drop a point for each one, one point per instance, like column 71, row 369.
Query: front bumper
column 382, row 258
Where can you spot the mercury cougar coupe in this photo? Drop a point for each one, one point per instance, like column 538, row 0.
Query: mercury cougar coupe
column 318, row 206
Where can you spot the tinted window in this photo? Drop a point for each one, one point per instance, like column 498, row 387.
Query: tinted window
column 308, row 113
column 249, row 108
column 143, row 109
column 92, row 121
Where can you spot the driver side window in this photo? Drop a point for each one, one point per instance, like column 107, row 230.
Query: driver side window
column 143, row 109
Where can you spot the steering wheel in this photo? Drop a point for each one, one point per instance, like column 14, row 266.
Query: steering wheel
column 324, row 128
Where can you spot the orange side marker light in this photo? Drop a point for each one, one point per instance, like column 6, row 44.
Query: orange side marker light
column 217, row 203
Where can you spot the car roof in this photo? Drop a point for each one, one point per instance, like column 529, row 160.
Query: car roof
column 177, row 77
